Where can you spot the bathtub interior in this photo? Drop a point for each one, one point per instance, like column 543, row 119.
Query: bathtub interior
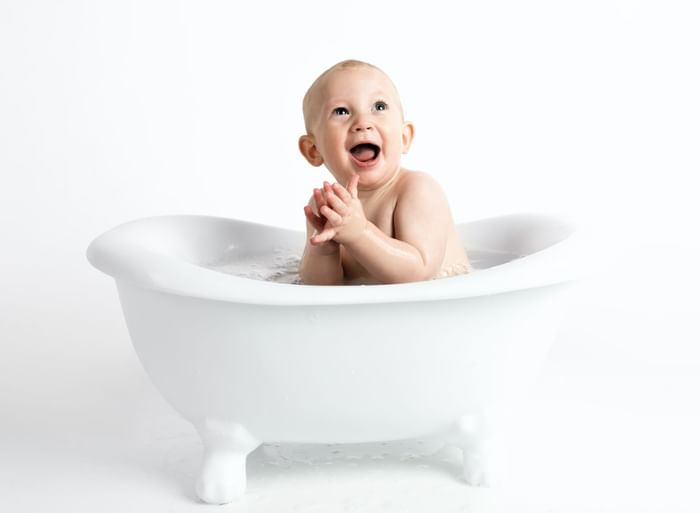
column 174, row 254
column 513, row 235
column 201, row 240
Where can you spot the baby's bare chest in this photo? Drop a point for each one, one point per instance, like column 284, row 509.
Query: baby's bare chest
column 382, row 216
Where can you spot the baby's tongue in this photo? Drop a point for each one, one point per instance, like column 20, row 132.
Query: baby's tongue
column 363, row 152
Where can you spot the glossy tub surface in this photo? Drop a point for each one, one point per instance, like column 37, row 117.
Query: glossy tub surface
column 250, row 361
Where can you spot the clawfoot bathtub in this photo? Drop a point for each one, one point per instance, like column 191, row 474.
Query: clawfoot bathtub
column 250, row 361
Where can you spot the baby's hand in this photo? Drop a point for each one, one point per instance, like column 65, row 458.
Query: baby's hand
column 345, row 217
column 318, row 221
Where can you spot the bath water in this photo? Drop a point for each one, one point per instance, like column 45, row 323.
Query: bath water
column 282, row 264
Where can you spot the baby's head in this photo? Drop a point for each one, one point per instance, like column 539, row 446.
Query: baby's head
column 355, row 124
column 312, row 99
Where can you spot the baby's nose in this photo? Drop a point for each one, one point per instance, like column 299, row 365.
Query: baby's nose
column 361, row 125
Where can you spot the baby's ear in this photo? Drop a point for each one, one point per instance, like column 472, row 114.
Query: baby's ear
column 307, row 147
column 407, row 133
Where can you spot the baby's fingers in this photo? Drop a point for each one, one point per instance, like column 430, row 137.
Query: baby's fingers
column 337, row 204
column 342, row 193
column 322, row 237
column 352, row 185
column 333, row 217
column 319, row 200
column 315, row 220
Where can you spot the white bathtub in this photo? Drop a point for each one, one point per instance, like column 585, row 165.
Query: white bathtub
column 249, row 361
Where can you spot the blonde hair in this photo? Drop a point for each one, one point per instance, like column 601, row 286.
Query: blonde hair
column 346, row 64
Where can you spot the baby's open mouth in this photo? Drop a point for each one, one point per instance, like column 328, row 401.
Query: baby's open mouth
column 365, row 152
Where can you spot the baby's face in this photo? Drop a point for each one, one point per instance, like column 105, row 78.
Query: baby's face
column 358, row 126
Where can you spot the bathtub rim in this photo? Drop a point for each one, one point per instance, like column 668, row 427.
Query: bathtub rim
column 568, row 260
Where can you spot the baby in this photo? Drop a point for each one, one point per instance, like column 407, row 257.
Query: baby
column 380, row 223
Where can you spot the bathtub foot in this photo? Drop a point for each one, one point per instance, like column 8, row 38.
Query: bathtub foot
column 474, row 434
column 226, row 447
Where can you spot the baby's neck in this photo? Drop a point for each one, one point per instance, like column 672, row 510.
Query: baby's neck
column 381, row 188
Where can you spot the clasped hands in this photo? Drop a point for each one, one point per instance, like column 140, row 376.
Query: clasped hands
column 338, row 217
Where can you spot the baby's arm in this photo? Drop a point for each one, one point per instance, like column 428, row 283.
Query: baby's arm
column 320, row 264
column 421, row 223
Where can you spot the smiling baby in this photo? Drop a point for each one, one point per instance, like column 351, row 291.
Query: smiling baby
column 380, row 222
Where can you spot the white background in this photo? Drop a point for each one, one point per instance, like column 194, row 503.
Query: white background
column 110, row 111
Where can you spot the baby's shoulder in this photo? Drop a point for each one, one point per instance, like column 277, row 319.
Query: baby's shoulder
column 417, row 183
column 408, row 175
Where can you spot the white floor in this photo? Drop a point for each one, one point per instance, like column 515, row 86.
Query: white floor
column 612, row 425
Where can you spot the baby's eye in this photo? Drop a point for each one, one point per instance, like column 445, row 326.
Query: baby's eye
column 380, row 105
column 341, row 111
